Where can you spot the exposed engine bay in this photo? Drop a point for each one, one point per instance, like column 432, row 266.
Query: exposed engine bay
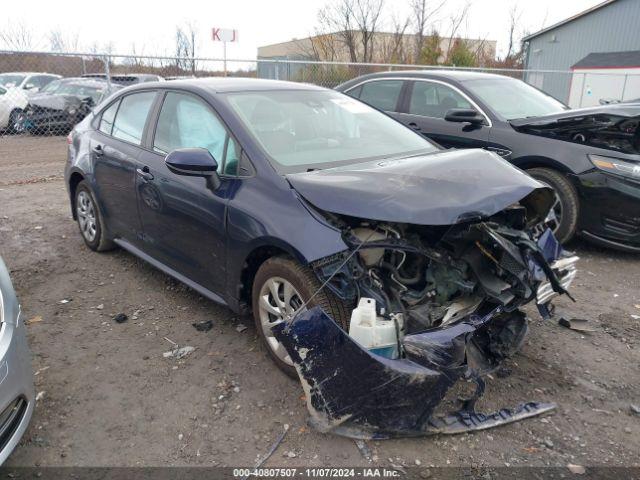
column 423, row 277
column 446, row 296
column 601, row 130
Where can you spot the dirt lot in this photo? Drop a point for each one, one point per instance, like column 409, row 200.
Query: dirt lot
column 110, row 398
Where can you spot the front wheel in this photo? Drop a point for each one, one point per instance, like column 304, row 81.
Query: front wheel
column 280, row 289
column 90, row 221
column 563, row 217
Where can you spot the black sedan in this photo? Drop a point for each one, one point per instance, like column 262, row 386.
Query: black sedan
column 66, row 103
column 299, row 203
column 591, row 157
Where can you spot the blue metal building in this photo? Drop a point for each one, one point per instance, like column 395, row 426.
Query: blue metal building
column 611, row 26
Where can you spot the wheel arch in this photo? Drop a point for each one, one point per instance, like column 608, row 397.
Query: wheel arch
column 74, row 180
column 253, row 260
column 526, row 163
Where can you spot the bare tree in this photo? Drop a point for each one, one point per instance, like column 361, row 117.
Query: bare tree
column 186, row 47
column 353, row 24
column 514, row 55
column 60, row 41
column 424, row 16
column 514, row 20
column 456, row 21
column 136, row 59
column 16, row 36
column 393, row 45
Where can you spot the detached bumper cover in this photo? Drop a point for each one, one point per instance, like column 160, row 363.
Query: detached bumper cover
column 355, row 393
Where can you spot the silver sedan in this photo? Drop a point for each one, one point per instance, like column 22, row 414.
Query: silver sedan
column 16, row 376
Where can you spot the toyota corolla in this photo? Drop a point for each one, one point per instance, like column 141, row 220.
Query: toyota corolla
column 379, row 268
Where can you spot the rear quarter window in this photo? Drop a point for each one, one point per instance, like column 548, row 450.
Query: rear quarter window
column 108, row 116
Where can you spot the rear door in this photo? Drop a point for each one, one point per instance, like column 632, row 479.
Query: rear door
column 115, row 149
column 424, row 110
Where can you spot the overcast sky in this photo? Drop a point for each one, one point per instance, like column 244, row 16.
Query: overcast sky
column 151, row 25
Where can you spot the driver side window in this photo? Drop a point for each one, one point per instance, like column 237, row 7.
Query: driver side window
column 430, row 99
column 187, row 122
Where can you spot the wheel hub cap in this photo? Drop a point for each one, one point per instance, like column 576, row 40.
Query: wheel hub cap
column 86, row 216
column 279, row 302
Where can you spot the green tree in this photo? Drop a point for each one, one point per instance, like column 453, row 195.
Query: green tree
column 461, row 55
column 431, row 52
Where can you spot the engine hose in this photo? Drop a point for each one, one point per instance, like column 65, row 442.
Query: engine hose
column 400, row 278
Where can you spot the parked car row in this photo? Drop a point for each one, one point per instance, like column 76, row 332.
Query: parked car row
column 390, row 233
column 47, row 103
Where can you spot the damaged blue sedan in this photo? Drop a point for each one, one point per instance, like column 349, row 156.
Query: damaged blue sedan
column 380, row 269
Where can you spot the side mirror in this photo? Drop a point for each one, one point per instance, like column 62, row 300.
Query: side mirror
column 31, row 87
column 464, row 115
column 194, row 162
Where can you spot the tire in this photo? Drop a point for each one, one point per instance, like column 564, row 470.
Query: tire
column 305, row 284
column 567, row 198
column 13, row 119
column 90, row 221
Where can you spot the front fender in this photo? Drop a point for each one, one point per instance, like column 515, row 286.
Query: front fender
column 275, row 218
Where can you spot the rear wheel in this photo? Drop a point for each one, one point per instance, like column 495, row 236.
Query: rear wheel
column 563, row 217
column 90, row 221
column 280, row 289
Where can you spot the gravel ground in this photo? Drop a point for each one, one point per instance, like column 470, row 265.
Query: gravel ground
column 110, row 398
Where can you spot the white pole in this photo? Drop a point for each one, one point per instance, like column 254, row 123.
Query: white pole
column 225, row 57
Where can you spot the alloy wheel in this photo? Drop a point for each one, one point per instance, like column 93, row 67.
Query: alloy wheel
column 279, row 301
column 86, row 216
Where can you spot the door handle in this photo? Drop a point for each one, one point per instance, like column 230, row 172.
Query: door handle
column 414, row 126
column 144, row 173
column 98, row 150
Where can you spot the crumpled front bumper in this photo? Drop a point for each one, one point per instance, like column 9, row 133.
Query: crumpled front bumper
column 355, row 393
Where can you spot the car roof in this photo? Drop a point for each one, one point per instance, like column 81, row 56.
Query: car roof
column 87, row 82
column 230, row 84
column 455, row 75
column 27, row 74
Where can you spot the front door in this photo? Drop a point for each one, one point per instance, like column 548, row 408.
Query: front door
column 183, row 219
column 425, row 110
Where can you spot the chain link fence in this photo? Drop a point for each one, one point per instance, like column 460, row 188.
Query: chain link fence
column 46, row 94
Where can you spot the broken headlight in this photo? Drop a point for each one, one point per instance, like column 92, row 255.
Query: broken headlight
column 616, row 166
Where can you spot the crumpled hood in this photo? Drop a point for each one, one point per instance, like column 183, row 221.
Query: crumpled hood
column 611, row 127
column 436, row 189
column 55, row 102
column 620, row 110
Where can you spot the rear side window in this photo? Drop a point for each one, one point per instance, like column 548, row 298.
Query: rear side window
column 188, row 122
column 132, row 116
column 106, row 122
column 381, row 94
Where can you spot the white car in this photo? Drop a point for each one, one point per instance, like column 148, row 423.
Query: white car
column 15, row 89
column 30, row 81
column 12, row 103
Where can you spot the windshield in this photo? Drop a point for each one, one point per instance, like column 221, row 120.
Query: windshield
column 52, row 87
column 81, row 91
column 10, row 80
column 303, row 129
column 510, row 98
